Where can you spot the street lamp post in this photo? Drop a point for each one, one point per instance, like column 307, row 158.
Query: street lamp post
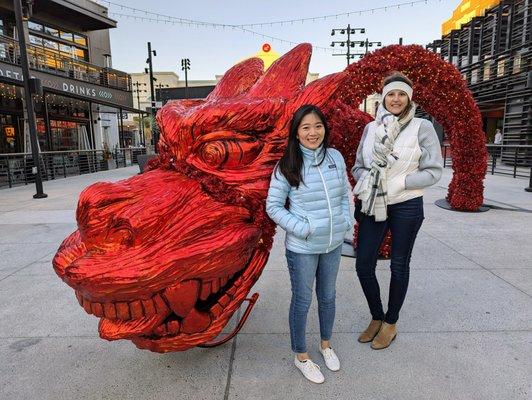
column 185, row 66
column 155, row 133
column 141, row 118
column 31, row 85
column 349, row 43
column 352, row 43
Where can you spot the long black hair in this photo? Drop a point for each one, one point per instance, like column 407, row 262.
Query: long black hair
column 291, row 162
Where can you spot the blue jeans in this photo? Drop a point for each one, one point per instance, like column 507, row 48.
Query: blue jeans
column 303, row 269
column 404, row 220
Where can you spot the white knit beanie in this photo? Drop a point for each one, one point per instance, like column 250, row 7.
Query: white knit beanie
column 398, row 85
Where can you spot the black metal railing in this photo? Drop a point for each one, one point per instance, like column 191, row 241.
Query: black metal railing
column 503, row 159
column 47, row 60
column 19, row 168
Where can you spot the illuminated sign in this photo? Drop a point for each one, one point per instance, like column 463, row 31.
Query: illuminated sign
column 9, row 131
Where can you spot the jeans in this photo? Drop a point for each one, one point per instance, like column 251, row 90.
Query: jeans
column 404, row 220
column 303, row 269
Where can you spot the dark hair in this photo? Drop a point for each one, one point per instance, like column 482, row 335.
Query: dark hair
column 397, row 76
column 291, row 162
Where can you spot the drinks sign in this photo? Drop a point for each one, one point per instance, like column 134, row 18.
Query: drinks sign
column 79, row 89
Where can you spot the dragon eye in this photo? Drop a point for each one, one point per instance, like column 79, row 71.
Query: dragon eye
column 229, row 153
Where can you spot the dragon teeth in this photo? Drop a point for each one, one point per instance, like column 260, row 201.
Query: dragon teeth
column 182, row 297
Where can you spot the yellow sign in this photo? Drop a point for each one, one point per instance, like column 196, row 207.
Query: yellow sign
column 9, row 131
column 267, row 55
column 465, row 12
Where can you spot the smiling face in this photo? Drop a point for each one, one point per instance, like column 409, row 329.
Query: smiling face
column 311, row 131
column 396, row 101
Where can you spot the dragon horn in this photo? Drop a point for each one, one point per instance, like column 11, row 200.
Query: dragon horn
column 318, row 93
column 239, row 79
column 286, row 76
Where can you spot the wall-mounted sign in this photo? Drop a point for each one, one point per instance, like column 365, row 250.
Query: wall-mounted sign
column 9, row 131
column 84, row 90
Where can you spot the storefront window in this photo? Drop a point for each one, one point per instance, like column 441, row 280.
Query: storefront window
column 41, row 134
column 501, row 68
column 517, row 64
column 67, row 36
column 51, row 31
column 51, row 45
column 7, row 27
column 65, row 49
column 65, row 134
column 79, row 54
column 64, row 106
column 36, row 40
column 10, row 139
column 35, row 26
column 487, row 70
column 80, row 40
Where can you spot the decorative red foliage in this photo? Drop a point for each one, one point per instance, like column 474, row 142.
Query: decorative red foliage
column 441, row 91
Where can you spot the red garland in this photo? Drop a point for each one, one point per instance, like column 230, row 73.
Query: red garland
column 441, row 91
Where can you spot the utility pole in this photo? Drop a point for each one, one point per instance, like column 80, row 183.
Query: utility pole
column 352, row 43
column 31, row 86
column 154, row 130
column 185, row 66
column 343, row 43
column 137, row 89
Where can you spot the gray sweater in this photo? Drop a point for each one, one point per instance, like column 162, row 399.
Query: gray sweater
column 430, row 162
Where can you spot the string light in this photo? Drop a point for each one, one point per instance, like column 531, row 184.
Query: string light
column 267, row 23
column 245, row 27
column 254, row 33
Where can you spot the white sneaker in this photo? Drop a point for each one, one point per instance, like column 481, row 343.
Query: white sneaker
column 310, row 370
column 331, row 359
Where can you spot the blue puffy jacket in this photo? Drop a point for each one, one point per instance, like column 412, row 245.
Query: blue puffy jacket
column 318, row 216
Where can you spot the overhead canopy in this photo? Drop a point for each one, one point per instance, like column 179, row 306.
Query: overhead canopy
column 85, row 14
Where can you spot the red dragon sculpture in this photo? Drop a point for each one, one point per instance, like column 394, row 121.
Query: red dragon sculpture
column 165, row 258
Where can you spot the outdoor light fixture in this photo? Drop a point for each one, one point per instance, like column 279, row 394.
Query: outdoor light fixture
column 332, row 32
column 342, row 44
column 342, row 31
column 332, row 44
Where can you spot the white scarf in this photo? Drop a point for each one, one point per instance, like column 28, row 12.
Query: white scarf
column 372, row 190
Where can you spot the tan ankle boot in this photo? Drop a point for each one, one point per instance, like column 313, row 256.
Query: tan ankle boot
column 370, row 332
column 385, row 337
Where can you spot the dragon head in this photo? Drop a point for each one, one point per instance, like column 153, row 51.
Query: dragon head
column 165, row 258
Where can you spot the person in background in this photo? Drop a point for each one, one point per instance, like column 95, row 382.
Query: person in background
column 498, row 137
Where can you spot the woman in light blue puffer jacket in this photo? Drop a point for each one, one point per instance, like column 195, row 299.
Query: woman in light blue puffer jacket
column 313, row 178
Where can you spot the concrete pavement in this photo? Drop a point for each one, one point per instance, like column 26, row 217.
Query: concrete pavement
column 465, row 331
